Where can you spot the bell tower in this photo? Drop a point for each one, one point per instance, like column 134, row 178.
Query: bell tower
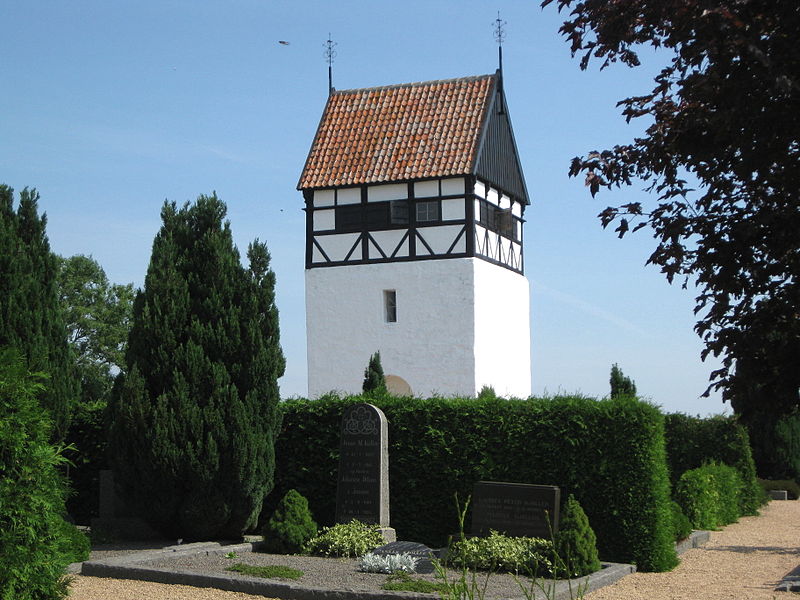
column 415, row 201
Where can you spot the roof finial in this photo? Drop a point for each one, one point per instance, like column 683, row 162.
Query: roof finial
column 499, row 36
column 330, row 54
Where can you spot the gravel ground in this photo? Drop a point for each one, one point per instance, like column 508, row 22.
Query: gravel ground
column 744, row 561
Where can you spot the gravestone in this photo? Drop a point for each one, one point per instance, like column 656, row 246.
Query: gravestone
column 515, row 509
column 362, row 491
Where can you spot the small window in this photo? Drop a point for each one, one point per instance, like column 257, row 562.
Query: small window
column 349, row 217
column 390, row 306
column 427, row 211
column 399, row 210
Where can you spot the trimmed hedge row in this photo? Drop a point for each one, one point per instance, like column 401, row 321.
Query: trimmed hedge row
column 609, row 454
column 693, row 442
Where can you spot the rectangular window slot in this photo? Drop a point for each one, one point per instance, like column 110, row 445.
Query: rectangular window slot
column 390, row 306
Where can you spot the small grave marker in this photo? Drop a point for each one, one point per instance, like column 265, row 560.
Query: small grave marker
column 516, row 509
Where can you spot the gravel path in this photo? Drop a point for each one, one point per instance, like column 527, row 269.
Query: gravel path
column 744, row 561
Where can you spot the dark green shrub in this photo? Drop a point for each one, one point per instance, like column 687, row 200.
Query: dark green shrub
column 73, row 543
column 791, row 487
column 692, row 442
column 195, row 416
column 710, row 495
column 698, row 498
column 498, row 552
column 345, row 539
column 32, row 550
column 290, row 526
column 575, row 542
column 608, row 453
column 729, row 487
column 680, row 522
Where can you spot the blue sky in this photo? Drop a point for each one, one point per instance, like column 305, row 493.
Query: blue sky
column 111, row 107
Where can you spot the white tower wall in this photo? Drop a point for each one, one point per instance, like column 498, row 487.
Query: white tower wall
column 461, row 324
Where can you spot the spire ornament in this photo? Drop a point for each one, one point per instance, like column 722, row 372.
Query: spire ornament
column 330, row 54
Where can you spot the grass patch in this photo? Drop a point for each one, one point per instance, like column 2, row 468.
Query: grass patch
column 267, row 572
column 401, row 581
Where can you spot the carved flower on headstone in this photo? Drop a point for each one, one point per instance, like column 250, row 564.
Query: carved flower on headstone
column 361, row 421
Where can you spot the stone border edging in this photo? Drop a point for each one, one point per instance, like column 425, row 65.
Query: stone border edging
column 128, row 567
column 696, row 540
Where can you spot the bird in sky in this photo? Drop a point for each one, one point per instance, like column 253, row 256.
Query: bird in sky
column 283, row 42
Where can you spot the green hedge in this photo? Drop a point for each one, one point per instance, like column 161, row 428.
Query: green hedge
column 692, row 442
column 609, row 454
column 710, row 496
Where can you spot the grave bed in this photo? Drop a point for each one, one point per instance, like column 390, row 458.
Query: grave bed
column 324, row 578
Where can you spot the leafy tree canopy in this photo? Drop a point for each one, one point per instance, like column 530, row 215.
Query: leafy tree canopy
column 725, row 113
column 97, row 312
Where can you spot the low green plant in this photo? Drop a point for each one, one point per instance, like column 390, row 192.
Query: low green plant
column 401, row 581
column 680, row 522
column 498, row 552
column 575, row 543
column 267, row 572
column 791, row 487
column 74, row 544
column 290, row 526
column 345, row 539
column 231, row 555
column 468, row 586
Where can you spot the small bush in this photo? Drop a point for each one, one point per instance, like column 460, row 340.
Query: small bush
column 267, row 572
column 390, row 563
column 290, row 527
column 575, row 542
column 680, row 522
column 345, row 539
column 710, row 496
column 74, row 545
column 498, row 552
column 791, row 487
column 401, row 581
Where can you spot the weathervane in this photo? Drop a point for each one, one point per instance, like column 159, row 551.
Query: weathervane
column 330, row 54
column 499, row 37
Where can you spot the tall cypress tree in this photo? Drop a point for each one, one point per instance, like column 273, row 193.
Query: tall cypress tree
column 30, row 314
column 195, row 415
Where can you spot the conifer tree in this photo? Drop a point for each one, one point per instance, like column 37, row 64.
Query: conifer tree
column 620, row 384
column 374, row 380
column 30, row 314
column 195, row 415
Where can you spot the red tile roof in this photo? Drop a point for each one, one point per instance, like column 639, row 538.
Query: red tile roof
column 399, row 132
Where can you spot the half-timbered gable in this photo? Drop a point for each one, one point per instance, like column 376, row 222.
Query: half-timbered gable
column 415, row 172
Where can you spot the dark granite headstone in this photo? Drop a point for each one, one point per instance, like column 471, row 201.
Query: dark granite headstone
column 363, row 489
column 515, row 509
